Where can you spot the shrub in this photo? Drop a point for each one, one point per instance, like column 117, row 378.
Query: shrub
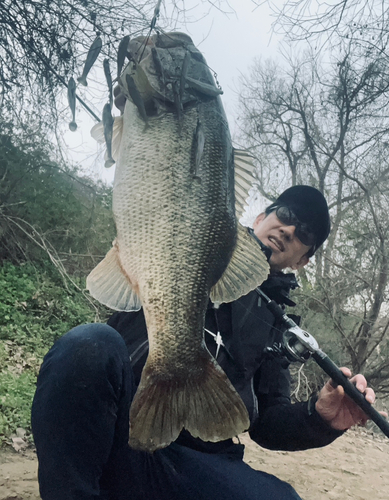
column 35, row 309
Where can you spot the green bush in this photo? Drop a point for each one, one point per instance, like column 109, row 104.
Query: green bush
column 35, row 310
column 47, row 204
column 16, row 393
column 49, row 212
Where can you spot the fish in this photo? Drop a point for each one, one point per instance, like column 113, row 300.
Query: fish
column 108, row 77
column 108, row 122
column 157, row 62
column 122, row 52
column 155, row 15
column 72, row 103
column 93, row 54
column 136, row 97
column 199, row 142
column 184, row 74
column 203, row 88
column 178, row 244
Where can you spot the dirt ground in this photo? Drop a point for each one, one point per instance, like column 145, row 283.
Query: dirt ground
column 356, row 466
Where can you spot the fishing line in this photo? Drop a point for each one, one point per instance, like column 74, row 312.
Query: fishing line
column 152, row 26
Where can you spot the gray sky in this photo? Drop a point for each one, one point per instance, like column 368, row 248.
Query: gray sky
column 229, row 42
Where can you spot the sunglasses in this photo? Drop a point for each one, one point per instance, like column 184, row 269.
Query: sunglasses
column 303, row 231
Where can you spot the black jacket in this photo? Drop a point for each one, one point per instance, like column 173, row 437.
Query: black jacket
column 247, row 328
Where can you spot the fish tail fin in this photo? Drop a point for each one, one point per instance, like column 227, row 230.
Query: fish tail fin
column 109, row 162
column 82, row 80
column 205, row 403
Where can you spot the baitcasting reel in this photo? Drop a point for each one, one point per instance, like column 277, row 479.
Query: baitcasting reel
column 298, row 346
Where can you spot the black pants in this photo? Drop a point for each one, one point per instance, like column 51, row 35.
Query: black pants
column 80, row 421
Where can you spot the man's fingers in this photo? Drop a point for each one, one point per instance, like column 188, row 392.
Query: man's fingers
column 360, row 382
column 346, row 371
column 369, row 395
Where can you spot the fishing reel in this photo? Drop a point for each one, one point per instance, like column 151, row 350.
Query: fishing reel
column 298, row 345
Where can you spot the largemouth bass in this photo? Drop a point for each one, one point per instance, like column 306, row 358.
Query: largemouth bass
column 178, row 241
column 93, row 54
column 72, row 103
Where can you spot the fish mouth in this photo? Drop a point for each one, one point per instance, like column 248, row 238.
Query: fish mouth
column 157, row 66
column 277, row 243
column 166, row 73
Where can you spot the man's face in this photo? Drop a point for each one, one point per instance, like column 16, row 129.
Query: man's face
column 287, row 249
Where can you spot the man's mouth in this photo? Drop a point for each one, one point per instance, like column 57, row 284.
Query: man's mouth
column 277, row 243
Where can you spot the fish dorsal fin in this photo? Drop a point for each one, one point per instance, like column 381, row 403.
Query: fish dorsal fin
column 107, row 284
column 248, row 268
column 244, row 178
column 97, row 132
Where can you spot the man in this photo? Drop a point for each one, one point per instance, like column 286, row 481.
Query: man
column 87, row 382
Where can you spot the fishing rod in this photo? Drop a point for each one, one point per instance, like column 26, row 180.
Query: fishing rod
column 298, row 346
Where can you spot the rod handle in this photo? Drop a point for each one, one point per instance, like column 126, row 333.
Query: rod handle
column 340, row 378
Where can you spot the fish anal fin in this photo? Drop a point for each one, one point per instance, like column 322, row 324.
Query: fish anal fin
column 204, row 403
column 247, row 269
column 108, row 284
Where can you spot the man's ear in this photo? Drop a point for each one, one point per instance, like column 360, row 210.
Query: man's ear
column 258, row 219
column 301, row 263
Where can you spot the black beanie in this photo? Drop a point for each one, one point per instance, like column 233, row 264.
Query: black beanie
column 310, row 207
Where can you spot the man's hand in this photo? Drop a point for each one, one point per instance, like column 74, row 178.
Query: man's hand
column 340, row 411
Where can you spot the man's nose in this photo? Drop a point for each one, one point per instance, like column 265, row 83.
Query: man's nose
column 288, row 231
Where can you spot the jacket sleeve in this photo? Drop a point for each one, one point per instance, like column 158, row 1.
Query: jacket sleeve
column 282, row 425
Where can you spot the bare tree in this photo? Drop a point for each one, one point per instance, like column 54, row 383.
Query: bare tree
column 325, row 23
column 43, row 44
column 325, row 123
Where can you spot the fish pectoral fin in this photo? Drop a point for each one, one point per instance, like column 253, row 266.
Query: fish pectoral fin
column 204, row 402
column 248, row 268
column 244, row 178
column 97, row 132
column 109, row 285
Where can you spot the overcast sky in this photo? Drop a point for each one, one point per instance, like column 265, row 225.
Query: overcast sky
column 229, row 42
